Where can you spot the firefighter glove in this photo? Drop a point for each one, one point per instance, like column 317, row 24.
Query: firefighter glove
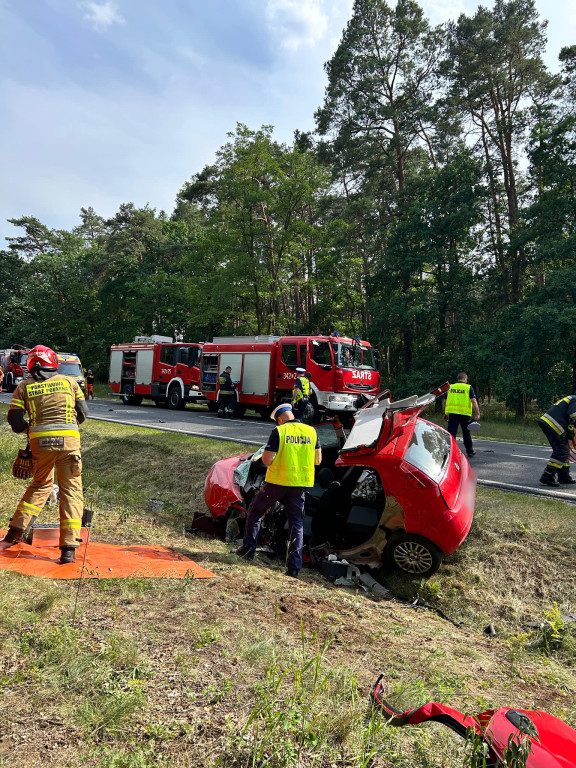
column 23, row 466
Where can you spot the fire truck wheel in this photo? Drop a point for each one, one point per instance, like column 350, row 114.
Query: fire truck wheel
column 239, row 411
column 311, row 414
column 161, row 402
column 9, row 384
column 128, row 396
column 175, row 401
column 212, row 406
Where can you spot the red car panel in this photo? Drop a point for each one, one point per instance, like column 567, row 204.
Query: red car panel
column 220, row 490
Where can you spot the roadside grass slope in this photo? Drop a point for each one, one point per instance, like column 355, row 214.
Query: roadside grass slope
column 252, row 668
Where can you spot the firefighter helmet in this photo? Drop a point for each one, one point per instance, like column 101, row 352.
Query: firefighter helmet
column 42, row 358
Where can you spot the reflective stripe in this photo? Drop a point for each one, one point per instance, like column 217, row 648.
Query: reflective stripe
column 56, row 433
column 31, row 507
column 16, row 403
column 73, row 523
column 552, row 423
column 58, row 426
column 555, row 464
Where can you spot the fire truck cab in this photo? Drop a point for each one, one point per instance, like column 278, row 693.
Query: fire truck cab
column 13, row 363
column 343, row 372
column 158, row 368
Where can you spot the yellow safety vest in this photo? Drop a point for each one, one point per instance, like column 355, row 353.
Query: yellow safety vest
column 293, row 465
column 298, row 393
column 51, row 407
column 458, row 400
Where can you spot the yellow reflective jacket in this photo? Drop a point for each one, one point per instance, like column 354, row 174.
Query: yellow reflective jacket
column 458, row 400
column 293, row 464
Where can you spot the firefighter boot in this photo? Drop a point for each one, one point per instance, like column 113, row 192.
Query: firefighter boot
column 549, row 477
column 13, row 536
column 67, row 555
column 564, row 477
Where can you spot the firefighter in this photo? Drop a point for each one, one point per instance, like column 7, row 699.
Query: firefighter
column 55, row 406
column 558, row 426
column 301, row 393
column 292, row 451
column 90, row 385
column 1, row 378
column 227, row 396
column 458, row 406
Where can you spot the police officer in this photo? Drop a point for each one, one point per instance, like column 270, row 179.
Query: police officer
column 558, row 426
column 227, row 395
column 300, row 393
column 458, row 406
column 291, row 453
column 55, row 406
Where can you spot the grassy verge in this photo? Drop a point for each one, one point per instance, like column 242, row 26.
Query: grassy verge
column 252, row 668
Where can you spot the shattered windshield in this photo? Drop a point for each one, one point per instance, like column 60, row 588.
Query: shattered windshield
column 354, row 356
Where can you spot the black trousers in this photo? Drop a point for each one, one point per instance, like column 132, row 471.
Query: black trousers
column 560, row 448
column 454, row 421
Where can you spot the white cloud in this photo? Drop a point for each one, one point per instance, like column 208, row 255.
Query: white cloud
column 102, row 15
column 297, row 22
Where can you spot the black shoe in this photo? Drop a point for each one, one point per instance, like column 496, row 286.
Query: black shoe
column 245, row 552
column 471, row 453
column 548, row 479
column 292, row 573
column 67, row 555
column 13, row 535
column 564, row 477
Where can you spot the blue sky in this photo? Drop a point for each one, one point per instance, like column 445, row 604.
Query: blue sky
column 111, row 101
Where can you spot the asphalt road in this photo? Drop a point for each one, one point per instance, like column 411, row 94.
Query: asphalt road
column 509, row 466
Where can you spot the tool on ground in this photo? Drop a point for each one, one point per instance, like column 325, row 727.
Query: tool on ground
column 23, row 465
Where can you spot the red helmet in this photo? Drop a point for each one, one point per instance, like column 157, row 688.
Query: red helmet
column 42, row 357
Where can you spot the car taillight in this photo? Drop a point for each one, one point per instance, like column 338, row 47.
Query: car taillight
column 416, row 477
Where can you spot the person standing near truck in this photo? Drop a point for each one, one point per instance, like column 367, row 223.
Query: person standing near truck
column 90, row 385
column 458, row 406
column 227, row 395
column 55, row 406
column 300, row 393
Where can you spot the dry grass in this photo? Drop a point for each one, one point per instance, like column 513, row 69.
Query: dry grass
column 252, row 668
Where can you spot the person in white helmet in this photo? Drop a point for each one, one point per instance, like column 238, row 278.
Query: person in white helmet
column 292, row 452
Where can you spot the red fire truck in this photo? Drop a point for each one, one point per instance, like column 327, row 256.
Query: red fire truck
column 13, row 363
column 158, row 368
column 344, row 374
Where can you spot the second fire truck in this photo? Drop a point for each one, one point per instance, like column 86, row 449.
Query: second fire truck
column 158, row 368
column 343, row 372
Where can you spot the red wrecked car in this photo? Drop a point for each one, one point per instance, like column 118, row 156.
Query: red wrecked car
column 397, row 489
column 548, row 741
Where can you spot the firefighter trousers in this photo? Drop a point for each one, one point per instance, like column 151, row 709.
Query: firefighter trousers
column 68, row 466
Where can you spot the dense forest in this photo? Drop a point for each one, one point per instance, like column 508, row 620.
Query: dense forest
column 432, row 211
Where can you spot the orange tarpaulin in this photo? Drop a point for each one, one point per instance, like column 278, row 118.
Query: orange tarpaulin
column 103, row 561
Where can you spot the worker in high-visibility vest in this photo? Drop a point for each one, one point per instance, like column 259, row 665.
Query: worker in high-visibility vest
column 300, row 393
column 460, row 402
column 292, row 452
column 558, row 426
column 55, row 406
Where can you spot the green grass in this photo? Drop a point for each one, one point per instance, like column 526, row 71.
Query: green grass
column 251, row 668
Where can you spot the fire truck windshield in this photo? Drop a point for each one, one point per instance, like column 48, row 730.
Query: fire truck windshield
column 354, row 356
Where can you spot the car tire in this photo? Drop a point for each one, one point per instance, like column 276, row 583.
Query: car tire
column 175, row 401
column 128, row 396
column 412, row 554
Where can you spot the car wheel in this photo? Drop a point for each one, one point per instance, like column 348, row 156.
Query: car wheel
column 175, row 401
column 128, row 396
column 412, row 554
